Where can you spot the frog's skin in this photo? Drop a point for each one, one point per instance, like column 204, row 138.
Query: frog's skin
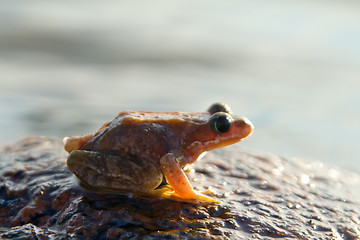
column 133, row 152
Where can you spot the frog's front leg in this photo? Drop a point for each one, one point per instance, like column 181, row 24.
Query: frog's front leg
column 177, row 179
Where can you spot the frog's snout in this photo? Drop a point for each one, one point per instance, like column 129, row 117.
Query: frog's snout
column 250, row 127
column 245, row 125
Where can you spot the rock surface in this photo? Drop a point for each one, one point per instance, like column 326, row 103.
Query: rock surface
column 263, row 197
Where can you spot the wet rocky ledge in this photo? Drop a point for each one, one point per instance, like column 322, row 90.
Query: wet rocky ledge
column 264, row 196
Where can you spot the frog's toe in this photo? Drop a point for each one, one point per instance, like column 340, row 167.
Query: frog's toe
column 204, row 198
column 196, row 198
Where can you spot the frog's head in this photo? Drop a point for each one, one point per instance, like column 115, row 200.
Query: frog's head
column 221, row 128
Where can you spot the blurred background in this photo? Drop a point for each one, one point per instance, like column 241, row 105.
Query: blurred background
column 291, row 67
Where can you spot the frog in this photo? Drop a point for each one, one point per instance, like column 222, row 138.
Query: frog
column 146, row 153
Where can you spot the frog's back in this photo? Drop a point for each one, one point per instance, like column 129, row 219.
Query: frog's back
column 128, row 117
column 144, row 134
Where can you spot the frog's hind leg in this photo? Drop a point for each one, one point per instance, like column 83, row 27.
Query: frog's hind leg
column 121, row 173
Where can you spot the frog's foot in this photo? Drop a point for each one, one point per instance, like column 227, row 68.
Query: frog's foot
column 162, row 192
column 180, row 184
column 167, row 192
column 197, row 198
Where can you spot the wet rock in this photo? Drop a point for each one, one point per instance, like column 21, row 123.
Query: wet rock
column 263, row 197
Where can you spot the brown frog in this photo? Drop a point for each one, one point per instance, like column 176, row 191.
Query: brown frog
column 136, row 150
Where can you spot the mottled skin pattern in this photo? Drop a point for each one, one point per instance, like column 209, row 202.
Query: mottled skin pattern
column 137, row 149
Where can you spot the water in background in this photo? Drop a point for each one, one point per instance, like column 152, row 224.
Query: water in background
column 292, row 67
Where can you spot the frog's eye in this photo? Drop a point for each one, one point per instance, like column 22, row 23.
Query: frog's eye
column 219, row 107
column 221, row 122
